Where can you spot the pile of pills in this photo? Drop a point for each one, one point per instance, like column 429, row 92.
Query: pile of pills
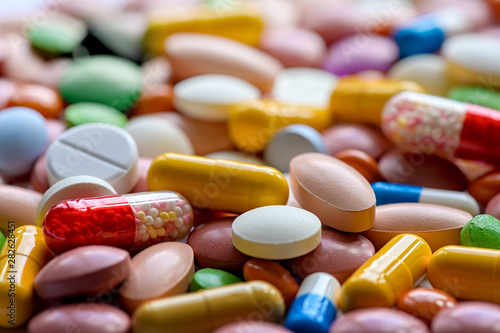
column 257, row 166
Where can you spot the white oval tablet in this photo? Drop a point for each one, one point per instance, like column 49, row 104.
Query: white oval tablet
column 155, row 136
column 276, row 232
column 303, row 85
column 291, row 141
column 428, row 70
column 475, row 53
column 237, row 156
column 211, row 97
column 72, row 188
column 100, row 150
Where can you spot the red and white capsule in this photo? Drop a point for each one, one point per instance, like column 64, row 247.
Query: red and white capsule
column 442, row 126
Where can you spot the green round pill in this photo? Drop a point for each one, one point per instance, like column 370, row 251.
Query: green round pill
column 476, row 95
column 56, row 37
column 85, row 113
column 482, row 231
column 104, row 79
column 208, row 278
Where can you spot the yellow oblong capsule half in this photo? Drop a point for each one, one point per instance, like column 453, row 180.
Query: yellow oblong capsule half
column 253, row 124
column 358, row 100
column 466, row 272
column 218, row 184
column 204, row 311
column 242, row 23
column 21, row 258
column 393, row 270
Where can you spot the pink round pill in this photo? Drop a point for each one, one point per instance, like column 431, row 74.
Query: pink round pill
column 38, row 178
column 468, row 317
column 493, row 206
column 252, row 327
column 361, row 52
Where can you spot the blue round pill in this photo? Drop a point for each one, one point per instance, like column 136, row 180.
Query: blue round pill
column 23, row 138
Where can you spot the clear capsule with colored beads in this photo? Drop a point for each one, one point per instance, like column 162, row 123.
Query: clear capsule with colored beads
column 131, row 222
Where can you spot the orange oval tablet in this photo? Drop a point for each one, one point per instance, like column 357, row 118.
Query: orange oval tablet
column 338, row 194
column 275, row 274
column 45, row 100
column 164, row 269
column 437, row 225
column 195, row 54
column 19, row 205
column 156, row 98
column 486, row 187
column 362, row 162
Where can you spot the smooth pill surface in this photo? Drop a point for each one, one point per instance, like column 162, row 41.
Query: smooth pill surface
column 482, row 231
column 362, row 162
column 477, row 317
column 84, row 271
column 349, row 250
column 19, row 205
column 437, row 225
column 196, row 54
column 157, row 98
column 109, row 80
column 425, row 303
column 209, row 278
column 39, row 179
column 213, row 246
column 237, row 156
column 493, row 206
column 478, row 95
column 72, row 188
column 104, row 151
column 43, row 99
column 212, row 97
column 419, row 168
column 377, row 320
column 252, row 327
column 142, row 183
column 484, row 188
column 84, row 317
column 291, row 141
column 275, row 274
column 23, row 137
column 85, row 113
column 155, row 136
column 276, row 232
column 338, row 194
column 164, row 269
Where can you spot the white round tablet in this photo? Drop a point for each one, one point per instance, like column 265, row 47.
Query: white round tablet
column 100, row 150
column 428, row 70
column 276, row 232
column 303, row 85
column 237, row 156
column 212, row 97
column 291, row 141
column 155, row 136
column 72, row 188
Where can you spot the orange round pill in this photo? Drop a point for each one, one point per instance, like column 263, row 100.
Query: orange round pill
column 275, row 274
column 156, row 98
column 425, row 303
column 362, row 162
column 43, row 99
column 486, row 187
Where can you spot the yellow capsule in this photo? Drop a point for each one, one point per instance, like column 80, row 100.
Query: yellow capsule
column 357, row 100
column 204, row 311
column 242, row 23
column 253, row 124
column 218, row 184
column 21, row 258
column 393, row 270
column 466, row 272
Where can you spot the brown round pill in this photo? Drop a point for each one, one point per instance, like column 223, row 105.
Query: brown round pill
column 83, row 271
column 350, row 136
column 338, row 254
column 252, row 327
column 19, row 205
column 362, row 162
column 419, row 168
column 334, row 191
column 45, row 100
column 81, row 318
column 485, row 187
column 161, row 270
column 437, row 225
column 213, row 247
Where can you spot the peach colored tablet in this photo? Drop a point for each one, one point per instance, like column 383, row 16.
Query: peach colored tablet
column 338, row 194
column 164, row 269
column 17, row 204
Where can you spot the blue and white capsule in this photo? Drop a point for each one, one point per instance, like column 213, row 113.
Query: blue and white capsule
column 388, row 193
column 426, row 33
column 315, row 306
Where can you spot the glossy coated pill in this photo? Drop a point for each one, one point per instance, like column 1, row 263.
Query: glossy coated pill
column 43, row 99
column 209, row 278
column 85, row 113
column 465, row 317
column 482, row 231
column 252, row 327
column 362, row 162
